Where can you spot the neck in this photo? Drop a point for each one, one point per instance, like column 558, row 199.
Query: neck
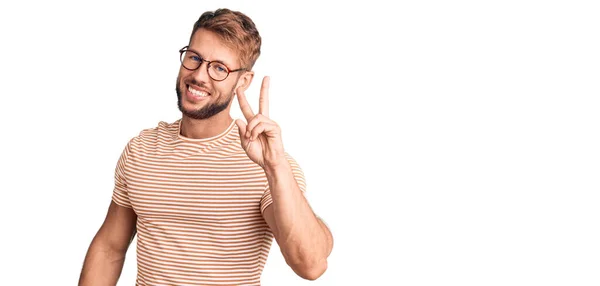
column 205, row 128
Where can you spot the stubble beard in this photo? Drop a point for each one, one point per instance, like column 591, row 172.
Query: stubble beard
column 204, row 112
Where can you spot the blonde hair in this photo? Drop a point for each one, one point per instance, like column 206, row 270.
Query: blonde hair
column 235, row 29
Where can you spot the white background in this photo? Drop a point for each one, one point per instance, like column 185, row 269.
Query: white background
column 444, row 142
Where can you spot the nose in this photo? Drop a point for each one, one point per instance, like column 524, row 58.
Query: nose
column 201, row 73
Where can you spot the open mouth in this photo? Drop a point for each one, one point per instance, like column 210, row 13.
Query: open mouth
column 196, row 92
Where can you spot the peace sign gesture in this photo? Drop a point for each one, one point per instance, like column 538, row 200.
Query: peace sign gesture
column 261, row 137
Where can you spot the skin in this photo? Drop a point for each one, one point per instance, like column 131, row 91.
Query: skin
column 304, row 240
column 105, row 257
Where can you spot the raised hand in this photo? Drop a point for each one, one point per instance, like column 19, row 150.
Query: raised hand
column 261, row 137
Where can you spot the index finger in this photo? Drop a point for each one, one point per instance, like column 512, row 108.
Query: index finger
column 263, row 100
column 246, row 109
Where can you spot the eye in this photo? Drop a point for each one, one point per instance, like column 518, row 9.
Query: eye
column 195, row 58
column 219, row 68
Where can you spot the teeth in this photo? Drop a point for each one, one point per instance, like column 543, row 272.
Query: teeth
column 197, row 92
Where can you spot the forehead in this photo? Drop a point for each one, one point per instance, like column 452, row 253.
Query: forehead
column 210, row 46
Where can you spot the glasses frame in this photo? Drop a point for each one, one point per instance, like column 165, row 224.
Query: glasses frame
column 187, row 49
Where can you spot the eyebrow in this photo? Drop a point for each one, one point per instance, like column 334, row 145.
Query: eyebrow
column 217, row 60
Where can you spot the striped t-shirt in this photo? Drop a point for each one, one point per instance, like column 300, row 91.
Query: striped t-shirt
column 199, row 205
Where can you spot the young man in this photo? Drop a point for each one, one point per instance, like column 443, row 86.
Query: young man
column 207, row 194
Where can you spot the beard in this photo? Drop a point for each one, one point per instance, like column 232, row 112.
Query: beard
column 209, row 110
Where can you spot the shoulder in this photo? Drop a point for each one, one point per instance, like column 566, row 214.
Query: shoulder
column 297, row 171
column 164, row 131
column 292, row 161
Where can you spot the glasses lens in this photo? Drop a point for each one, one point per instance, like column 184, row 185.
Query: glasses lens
column 218, row 71
column 190, row 60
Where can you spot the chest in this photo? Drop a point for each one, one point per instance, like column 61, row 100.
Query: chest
column 196, row 188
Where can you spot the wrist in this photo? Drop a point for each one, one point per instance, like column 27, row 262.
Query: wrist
column 272, row 167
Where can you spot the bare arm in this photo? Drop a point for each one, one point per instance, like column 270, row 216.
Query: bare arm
column 105, row 257
column 304, row 240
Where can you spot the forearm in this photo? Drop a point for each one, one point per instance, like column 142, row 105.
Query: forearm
column 102, row 266
column 303, row 238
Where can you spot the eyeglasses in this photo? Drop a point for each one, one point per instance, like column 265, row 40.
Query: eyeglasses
column 191, row 60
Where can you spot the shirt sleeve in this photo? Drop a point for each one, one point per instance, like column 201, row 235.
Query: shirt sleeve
column 120, row 193
column 267, row 200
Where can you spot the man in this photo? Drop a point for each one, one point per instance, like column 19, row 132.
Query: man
column 207, row 196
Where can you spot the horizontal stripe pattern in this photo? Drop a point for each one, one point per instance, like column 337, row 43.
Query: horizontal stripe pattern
column 199, row 205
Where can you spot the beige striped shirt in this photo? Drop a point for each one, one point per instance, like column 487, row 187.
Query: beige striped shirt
column 199, row 205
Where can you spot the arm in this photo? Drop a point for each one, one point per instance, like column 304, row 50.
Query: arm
column 106, row 255
column 304, row 240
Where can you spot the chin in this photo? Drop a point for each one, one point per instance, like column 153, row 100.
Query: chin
column 188, row 107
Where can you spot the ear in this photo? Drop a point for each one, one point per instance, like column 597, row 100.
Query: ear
column 245, row 80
